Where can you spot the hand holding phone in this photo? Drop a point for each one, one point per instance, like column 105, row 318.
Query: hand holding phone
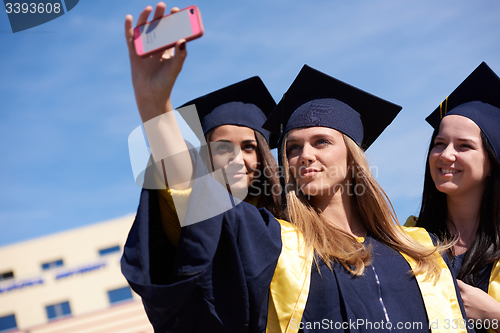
column 162, row 33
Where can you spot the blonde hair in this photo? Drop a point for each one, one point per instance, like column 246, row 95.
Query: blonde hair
column 375, row 211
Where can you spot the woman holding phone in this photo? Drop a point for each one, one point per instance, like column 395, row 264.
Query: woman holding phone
column 461, row 196
column 341, row 263
column 231, row 120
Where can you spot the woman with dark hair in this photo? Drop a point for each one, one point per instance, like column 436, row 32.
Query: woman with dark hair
column 461, row 197
column 237, row 152
column 231, row 120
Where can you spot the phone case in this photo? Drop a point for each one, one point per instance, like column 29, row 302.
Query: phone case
column 195, row 23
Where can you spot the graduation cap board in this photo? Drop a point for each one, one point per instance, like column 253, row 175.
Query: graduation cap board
column 245, row 103
column 317, row 99
column 477, row 98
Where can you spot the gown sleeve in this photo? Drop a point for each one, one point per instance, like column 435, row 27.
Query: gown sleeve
column 218, row 277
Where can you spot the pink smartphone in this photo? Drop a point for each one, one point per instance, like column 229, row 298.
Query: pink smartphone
column 164, row 32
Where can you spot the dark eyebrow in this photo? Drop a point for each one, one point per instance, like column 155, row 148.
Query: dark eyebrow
column 244, row 141
column 459, row 139
column 470, row 142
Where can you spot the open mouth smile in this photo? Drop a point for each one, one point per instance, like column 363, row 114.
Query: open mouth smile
column 448, row 171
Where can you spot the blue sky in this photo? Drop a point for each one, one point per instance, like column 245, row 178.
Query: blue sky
column 67, row 103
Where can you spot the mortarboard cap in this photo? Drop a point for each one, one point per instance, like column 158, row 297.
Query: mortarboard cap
column 477, row 98
column 317, row 99
column 245, row 103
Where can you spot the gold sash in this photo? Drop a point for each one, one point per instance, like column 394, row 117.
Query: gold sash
column 440, row 298
column 290, row 284
column 494, row 285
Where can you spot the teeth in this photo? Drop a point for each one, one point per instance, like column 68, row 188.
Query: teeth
column 449, row 171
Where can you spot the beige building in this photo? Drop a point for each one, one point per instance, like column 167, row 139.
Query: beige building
column 70, row 282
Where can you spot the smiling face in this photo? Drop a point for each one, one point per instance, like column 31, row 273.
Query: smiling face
column 317, row 158
column 234, row 149
column 458, row 161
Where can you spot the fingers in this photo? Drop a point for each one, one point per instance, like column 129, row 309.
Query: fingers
column 143, row 18
column 168, row 53
column 129, row 33
column 180, row 47
column 160, row 10
column 180, row 52
column 462, row 285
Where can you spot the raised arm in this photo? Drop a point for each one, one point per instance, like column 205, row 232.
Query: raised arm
column 153, row 78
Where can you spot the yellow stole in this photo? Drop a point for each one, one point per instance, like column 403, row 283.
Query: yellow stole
column 440, row 298
column 494, row 285
column 290, row 285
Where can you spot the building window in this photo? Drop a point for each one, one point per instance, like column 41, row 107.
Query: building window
column 57, row 311
column 119, row 295
column 6, row 275
column 109, row 250
column 8, row 323
column 52, row 264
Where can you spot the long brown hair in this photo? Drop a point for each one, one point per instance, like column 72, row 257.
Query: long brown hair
column 374, row 209
column 266, row 190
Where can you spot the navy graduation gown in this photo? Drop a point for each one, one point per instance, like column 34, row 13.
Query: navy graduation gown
column 220, row 274
column 386, row 298
column 218, row 277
